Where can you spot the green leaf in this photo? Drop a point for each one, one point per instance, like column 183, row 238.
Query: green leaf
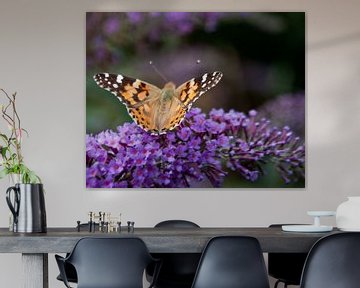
column 3, row 173
column 26, row 132
column 3, row 151
column 28, row 176
column 4, row 137
column 33, row 178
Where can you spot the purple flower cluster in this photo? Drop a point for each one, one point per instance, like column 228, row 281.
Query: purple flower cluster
column 200, row 150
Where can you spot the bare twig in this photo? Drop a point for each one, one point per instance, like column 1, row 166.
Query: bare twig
column 14, row 124
column 12, row 159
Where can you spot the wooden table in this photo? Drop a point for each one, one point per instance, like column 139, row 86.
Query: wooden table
column 35, row 247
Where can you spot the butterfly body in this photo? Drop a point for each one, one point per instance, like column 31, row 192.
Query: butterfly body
column 166, row 98
column 165, row 108
column 156, row 110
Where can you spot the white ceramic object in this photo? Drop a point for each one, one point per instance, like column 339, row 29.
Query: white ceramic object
column 316, row 227
column 318, row 214
column 348, row 214
column 321, row 213
column 306, row 228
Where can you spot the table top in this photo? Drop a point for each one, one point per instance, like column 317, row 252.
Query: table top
column 158, row 240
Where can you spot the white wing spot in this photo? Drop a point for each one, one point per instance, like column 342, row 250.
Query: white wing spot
column 119, row 78
column 115, row 85
column 204, row 77
column 106, row 75
column 136, row 84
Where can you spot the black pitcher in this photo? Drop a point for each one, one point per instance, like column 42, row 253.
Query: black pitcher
column 28, row 207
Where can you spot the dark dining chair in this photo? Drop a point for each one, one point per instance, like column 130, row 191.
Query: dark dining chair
column 232, row 262
column 285, row 267
column 333, row 262
column 108, row 263
column 178, row 269
column 70, row 271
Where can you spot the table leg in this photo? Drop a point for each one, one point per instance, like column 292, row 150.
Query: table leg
column 35, row 270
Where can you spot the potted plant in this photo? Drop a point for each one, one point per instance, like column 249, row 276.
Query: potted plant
column 25, row 197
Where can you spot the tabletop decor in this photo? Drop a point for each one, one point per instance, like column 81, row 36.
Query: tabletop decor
column 25, row 197
column 315, row 227
column 202, row 103
column 348, row 214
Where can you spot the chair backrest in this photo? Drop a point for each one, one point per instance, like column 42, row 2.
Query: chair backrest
column 176, row 224
column 178, row 269
column 110, row 262
column 286, row 267
column 333, row 262
column 232, row 262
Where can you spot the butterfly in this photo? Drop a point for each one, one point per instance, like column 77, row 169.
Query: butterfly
column 156, row 110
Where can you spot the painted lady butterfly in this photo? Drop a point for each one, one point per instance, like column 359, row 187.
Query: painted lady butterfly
column 156, row 110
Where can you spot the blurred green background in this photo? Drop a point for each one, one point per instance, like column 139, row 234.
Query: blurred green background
column 262, row 57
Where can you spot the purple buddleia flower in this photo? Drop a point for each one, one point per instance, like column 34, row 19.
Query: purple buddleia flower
column 112, row 25
column 135, row 17
column 203, row 149
column 211, row 21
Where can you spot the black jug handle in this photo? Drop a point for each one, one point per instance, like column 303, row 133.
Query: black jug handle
column 13, row 208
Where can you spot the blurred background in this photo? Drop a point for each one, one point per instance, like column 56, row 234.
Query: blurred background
column 262, row 57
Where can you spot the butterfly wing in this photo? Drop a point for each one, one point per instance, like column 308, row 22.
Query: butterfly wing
column 186, row 94
column 191, row 90
column 134, row 93
column 142, row 99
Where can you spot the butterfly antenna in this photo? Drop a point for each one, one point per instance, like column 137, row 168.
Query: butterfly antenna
column 157, row 71
column 198, row 62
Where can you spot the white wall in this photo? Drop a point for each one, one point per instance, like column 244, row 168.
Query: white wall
column 42, row 57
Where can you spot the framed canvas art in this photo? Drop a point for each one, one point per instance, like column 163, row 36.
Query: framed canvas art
column 195, row 100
